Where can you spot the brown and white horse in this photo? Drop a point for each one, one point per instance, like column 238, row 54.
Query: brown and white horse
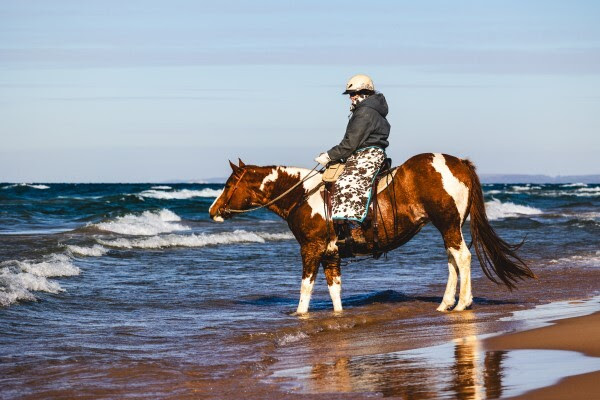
column 436, row 188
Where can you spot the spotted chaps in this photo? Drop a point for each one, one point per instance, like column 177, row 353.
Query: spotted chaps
column 353, row 189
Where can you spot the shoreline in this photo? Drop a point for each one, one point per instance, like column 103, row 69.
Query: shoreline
column 477, row 363
column 577, row 334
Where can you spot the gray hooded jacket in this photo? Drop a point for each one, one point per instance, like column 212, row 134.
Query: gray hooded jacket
column 367, row 127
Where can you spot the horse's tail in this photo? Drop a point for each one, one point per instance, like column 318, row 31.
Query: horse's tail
column 494, row 253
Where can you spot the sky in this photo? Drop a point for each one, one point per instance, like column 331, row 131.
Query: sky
column 153, row 91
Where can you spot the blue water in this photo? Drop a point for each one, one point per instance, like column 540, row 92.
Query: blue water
column 103, row 285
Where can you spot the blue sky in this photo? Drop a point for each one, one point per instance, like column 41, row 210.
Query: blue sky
column 155, row 90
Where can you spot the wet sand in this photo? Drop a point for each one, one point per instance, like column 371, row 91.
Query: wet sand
column 402, row 348
column 580, row 334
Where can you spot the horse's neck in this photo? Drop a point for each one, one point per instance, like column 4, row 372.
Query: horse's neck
column 280, row 176
column 314, row 178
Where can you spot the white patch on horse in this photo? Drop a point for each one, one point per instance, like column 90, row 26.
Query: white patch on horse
column 272, row 177
column 332, row 246
column 462, row 260
column 335, row 291
column 450, row 294
column 315, row 201
column 216, row 218
column 454, row 187
column 305, row 293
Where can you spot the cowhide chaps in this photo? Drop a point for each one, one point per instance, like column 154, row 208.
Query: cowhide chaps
column 352, row 193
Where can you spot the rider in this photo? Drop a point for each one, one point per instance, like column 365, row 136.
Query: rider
column 363, row 149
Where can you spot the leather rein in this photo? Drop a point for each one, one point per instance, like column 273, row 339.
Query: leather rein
column 282, row 195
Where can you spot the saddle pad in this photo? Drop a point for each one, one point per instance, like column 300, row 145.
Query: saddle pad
column 385, row 180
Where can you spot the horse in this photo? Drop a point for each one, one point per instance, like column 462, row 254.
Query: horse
column 429, row 187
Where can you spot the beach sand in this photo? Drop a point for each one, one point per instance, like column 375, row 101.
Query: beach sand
column 580, row 334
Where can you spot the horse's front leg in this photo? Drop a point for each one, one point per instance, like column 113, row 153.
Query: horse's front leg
column 311, row 259
column 333, row 274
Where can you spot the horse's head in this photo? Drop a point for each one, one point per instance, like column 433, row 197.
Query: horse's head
column 238, row 194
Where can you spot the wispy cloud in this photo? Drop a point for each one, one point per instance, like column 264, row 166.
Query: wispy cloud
column 455, row 60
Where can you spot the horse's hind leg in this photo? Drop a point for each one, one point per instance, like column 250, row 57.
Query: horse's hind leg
column 459, row 259
column 462, row 258
column 333, row 275
column 450, row 293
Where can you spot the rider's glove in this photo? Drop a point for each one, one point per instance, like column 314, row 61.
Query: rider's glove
column 323, row 159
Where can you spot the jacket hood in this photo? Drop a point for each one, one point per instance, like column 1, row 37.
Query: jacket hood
column 376, row 102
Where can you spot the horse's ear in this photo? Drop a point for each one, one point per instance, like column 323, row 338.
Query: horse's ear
column 234, row 167
column 241, row 163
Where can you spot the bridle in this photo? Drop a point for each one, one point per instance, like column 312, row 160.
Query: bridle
column 229, row 210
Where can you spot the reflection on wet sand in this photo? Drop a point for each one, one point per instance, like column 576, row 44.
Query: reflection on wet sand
column 456, row 370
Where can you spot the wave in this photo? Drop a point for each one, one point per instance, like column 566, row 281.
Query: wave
column 29, row 185
column 580, row 192
column 148, row 223
column 291, row 338
column 577, row 184
column 588, row 260
column 19, row 278
column 525, row 188
column 180, row 194
column 94, row 251
column 195, row 240
column 495, row 210
column 589, row 190
column 162, row 187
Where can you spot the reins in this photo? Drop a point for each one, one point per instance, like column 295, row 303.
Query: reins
column 282, row 195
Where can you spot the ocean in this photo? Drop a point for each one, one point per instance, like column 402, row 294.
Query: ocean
column 131, row 291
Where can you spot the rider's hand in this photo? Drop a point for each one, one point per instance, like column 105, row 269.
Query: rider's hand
column 323, row 159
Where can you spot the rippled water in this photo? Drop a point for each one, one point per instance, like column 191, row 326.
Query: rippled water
column 123, row 290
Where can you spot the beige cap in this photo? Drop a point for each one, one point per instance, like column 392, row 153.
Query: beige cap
column 359, row 82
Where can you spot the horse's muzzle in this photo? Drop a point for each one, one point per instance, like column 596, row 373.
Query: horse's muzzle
column 220, row 216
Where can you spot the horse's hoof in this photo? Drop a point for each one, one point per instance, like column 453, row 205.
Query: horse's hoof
column 462, row 307
column 444, row 308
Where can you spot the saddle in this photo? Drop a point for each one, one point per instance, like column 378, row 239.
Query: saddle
column 350, row 245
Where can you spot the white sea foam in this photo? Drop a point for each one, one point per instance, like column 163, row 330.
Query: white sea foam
column 94, row 251
column 588, row 260
column 495, row 209
column 180, row 194
column 579, row 192
column 577, row 184
column 525, row 188
column 54, row 265
column 595, row 190
column 148, row 223
column 19, row 278
column 195, row 240
column 291, row 338
column 162, row 187
column 26, row 185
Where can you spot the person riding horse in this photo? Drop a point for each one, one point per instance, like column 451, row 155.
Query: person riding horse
column 362, row 148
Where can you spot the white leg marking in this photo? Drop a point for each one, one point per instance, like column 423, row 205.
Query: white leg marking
column 454, row 187
column 335, row 291
column 462, row 256
column 450, row 293
column 305, row 292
